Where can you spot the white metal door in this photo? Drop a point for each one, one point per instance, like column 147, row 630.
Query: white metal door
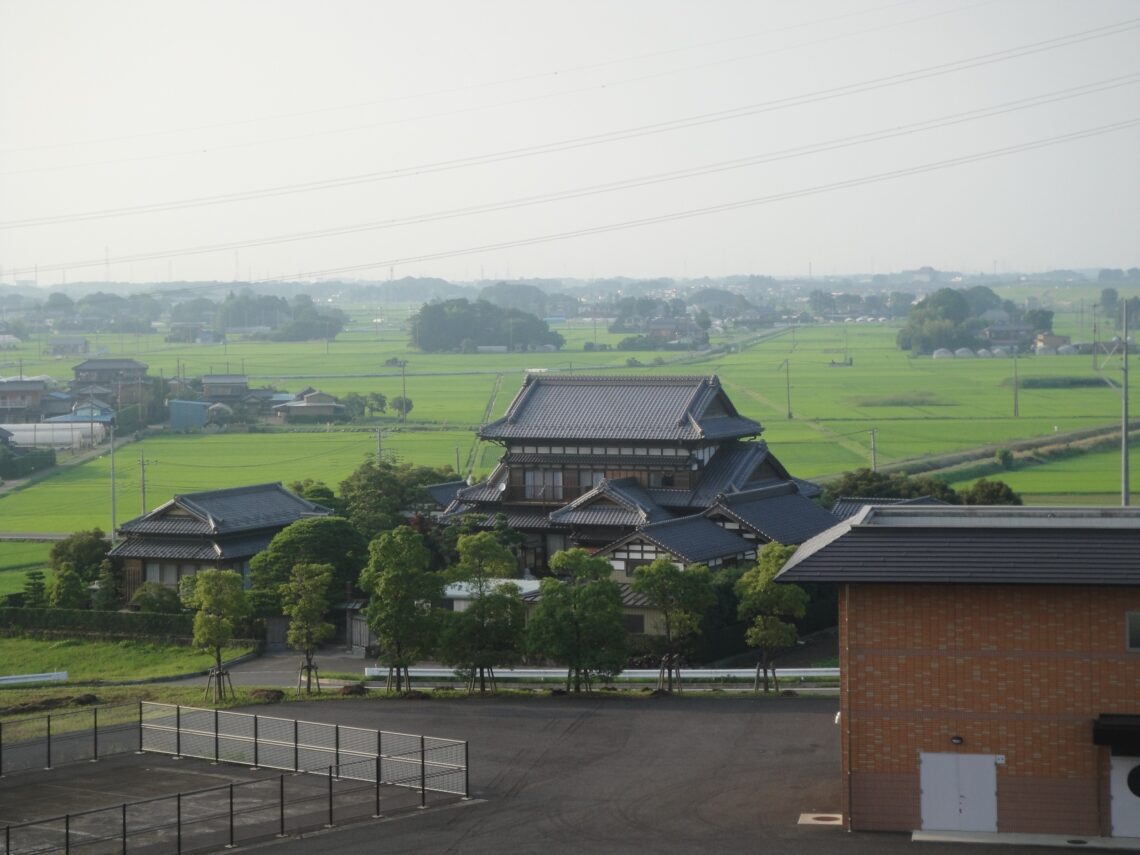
column 1125, row 790
column 959, row 792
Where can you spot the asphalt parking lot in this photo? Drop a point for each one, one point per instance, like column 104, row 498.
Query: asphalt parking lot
column 600, row 774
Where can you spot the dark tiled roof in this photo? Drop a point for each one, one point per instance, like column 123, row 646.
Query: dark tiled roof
column 729, row 469
column 109, row 365
column 776, row 513
column 227, row 549
column 226, row 511
column 22, row 385
column 693, row 539
column 975, row 545
column 847, row 506
column 626, row 493
column 443, row 494
column 620, row 408
column 485, row 491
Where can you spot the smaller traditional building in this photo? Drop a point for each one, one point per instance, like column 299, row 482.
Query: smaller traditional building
column 311, row 405
column 214, row 529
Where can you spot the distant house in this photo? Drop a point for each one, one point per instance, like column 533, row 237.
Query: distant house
column 989, row 667
column 123, row 381
column 198, row 531
column 9, row 342
column 67, row 345
column 188, row 415
column 224, row 388
column 311, row 405
column 5, row 438
column 20, row 400
column 1007, row 335
column 1046, row 339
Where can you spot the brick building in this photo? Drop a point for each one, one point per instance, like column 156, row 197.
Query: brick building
column 990, row 667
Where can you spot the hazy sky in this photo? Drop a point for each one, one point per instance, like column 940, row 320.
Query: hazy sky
column 127, row 127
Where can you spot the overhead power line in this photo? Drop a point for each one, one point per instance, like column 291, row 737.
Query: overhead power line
column 596, row 139
column 625, row 184
column 716, row 209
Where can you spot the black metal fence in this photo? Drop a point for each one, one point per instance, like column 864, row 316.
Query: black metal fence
column 335, row 774
column 217, row 817
column 44, row 741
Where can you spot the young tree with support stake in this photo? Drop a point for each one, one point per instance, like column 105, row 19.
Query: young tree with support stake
column 767, row 603
column 402, row 592
column 578, row 620
column 682, row 596
column 218, row 597
column 305, row 601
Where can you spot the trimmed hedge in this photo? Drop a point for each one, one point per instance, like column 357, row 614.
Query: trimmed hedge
column 116, row 623
column 21, row 465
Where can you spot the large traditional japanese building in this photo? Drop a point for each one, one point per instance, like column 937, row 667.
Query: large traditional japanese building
column 633, row 468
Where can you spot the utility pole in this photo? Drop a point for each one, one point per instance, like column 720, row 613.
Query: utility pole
column 874, row 456
column 379, row 447
column 404, row 391
column 1125, row 490
column 113, row 517
column 1015, row 381
column 142, row 479
column 787, row 366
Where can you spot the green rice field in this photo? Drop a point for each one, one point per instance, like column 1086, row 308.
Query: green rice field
column 16, row 559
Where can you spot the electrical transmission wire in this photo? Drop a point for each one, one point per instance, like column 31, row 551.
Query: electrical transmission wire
column 486, row 84
column 598, row 139
column 727, row 206
column 625, row 184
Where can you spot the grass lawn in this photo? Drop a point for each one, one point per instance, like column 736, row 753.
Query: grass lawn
column 16, row 559
column 103, row 661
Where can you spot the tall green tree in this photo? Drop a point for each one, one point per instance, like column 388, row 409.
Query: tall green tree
column 219, row 602
column 769, row 606
column 402, row 592
column 884, row 485
column 306, row 602
column 35, row 590
column 489, row 632
column 986, row 492
column 317, row 540
column 83, row 550
column 68, row 590
column 681, row 596
column 578, row 620
column 378, row 493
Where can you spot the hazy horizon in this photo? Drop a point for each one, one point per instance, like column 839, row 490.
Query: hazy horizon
column 510, row 140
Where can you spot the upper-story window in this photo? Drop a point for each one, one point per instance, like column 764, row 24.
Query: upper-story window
column 1132, row 630
column 542, row 484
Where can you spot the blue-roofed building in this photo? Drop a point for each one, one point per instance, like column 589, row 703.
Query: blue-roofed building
column 635, row 468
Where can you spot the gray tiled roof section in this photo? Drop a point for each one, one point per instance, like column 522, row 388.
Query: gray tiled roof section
column 443, row 494
column 618, row 408
column 975, row 545
column 694, row 539
column 232, row 510
column 226, row 549
column 625, row 492
column 847, row 506
column 777, row 513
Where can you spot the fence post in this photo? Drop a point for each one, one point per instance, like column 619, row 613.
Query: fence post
column 95, row 732
column 48, row 766
column 377, row 786
column 231, row 816
column 178, row 732
column 140, row 727
column 330, row 797
column 255, row 742
column 178, row 820
column 296, row 752
column 281, row 802
column 466, row 774
column 2, row 762
column 124, row 828
column 67, row 833
column 336, row 745
column 423, row 774
column 215, row 736
column 380, row 755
